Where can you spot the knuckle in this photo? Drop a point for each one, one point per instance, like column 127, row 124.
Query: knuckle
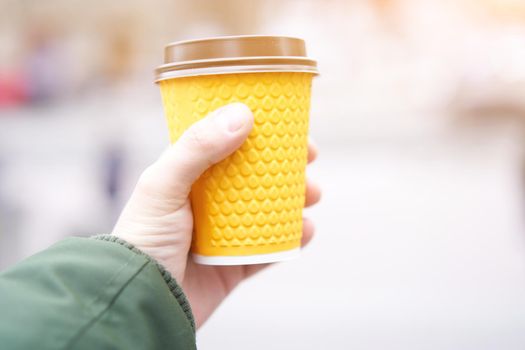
column 146, row 182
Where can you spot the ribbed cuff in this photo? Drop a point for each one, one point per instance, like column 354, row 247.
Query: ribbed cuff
column 174, row 287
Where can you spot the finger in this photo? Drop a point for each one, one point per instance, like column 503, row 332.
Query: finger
column 312, row 194
column 250, row 270
column 313, row 151
column 308, row 231
column 205, row 143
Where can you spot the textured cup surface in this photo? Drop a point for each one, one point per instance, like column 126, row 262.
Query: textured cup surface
column 251, row 202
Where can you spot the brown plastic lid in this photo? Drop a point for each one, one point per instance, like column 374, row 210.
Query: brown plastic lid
column 235, row 54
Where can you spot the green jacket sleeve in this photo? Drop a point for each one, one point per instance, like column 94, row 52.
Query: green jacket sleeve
column 93, row 293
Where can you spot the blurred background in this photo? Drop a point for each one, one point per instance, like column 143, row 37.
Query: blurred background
column 419, row 114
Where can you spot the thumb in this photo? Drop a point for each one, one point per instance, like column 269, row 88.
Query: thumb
column 205, row 143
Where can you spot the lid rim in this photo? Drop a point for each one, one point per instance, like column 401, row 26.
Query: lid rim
column 239, row 61
column 191, row 72
column 247, row 58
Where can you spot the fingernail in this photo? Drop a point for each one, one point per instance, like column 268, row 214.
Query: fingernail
column 233, row 117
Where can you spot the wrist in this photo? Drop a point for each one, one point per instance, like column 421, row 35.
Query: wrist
column 169, row 278
column 162, row 247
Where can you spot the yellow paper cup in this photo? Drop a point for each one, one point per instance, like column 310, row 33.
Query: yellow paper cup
column 247, row 208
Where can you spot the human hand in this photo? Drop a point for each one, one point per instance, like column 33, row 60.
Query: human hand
column 158, row 219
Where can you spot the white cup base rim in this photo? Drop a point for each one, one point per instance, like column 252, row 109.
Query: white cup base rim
column 247, row 259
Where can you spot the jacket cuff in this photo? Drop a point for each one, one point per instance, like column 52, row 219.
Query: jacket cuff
column 173, row 286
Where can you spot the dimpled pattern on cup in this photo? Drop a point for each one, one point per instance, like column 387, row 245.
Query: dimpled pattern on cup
column 251, row 202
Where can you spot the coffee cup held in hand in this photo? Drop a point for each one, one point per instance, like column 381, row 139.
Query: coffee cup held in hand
column 248, row 207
